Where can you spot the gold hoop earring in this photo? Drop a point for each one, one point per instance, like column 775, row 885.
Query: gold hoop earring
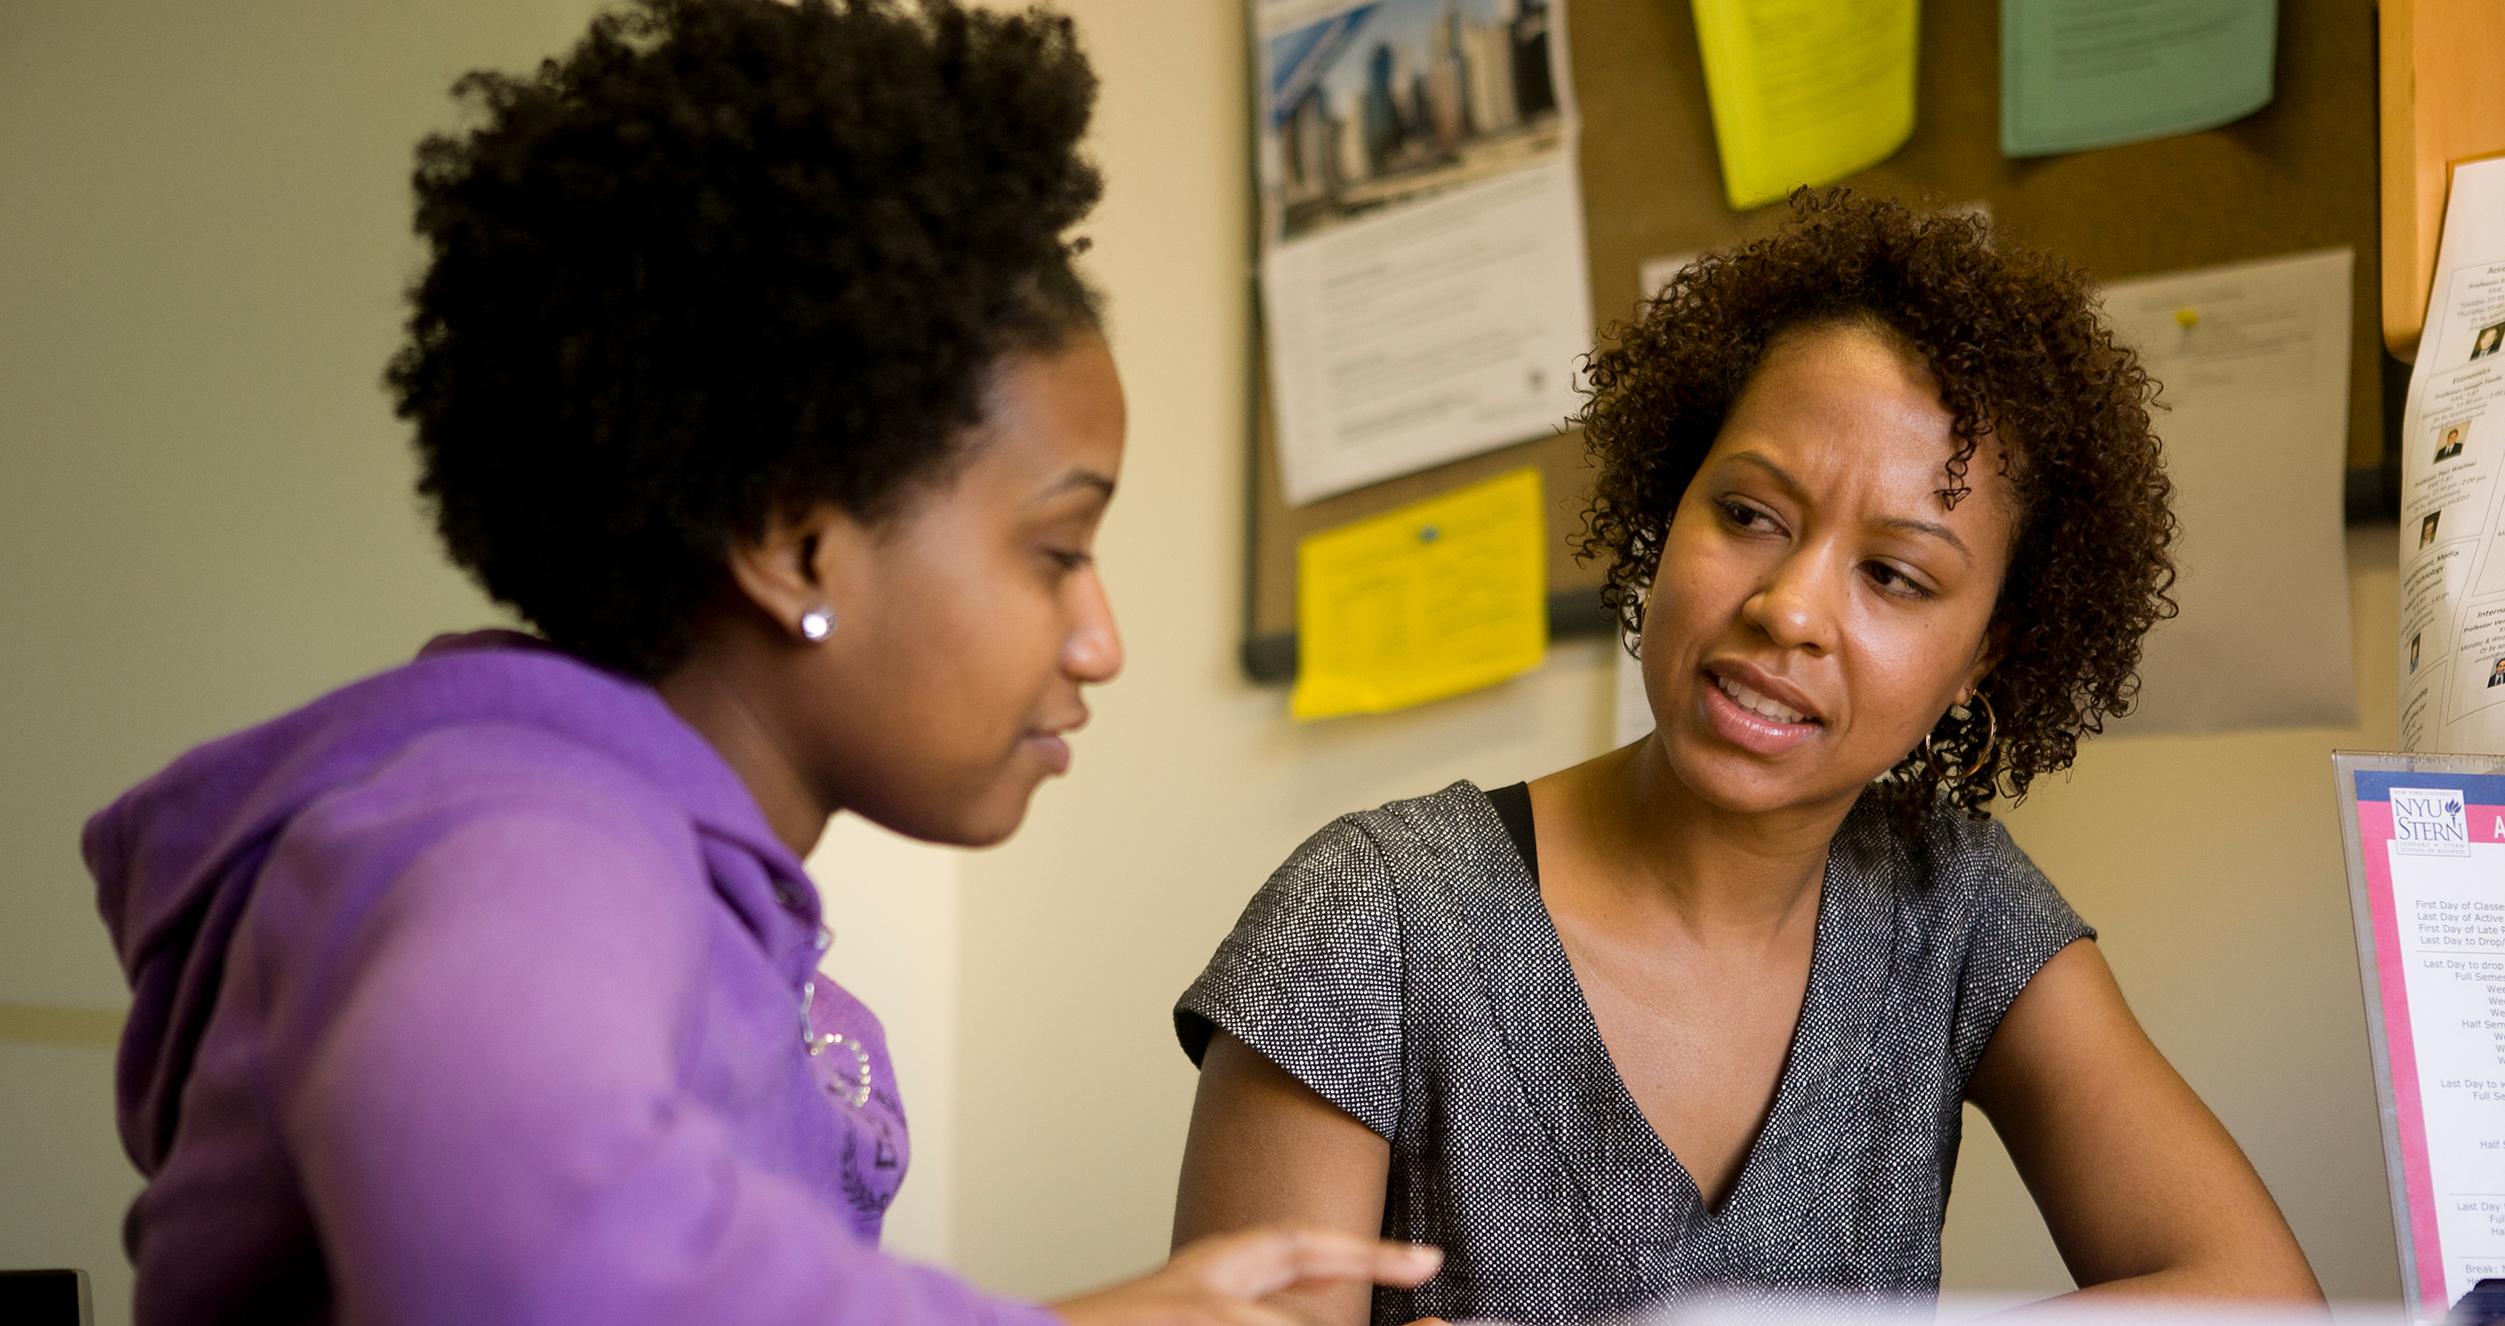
column 1991, row 739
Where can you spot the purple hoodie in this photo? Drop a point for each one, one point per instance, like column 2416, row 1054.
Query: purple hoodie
column 473, row 993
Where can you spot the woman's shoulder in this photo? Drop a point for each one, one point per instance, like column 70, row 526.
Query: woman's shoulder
column 1956, row 865
column 1459, row 809
column 1400, row 843
column 433, row 851
column 1963, row 888
column 1369, row 878
column 491, row 769
column 498, row 793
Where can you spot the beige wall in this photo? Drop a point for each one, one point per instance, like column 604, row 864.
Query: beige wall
column 204, row 518
column 204, row 509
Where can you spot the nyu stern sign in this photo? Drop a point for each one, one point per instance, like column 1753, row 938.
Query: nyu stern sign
column 2429, row 823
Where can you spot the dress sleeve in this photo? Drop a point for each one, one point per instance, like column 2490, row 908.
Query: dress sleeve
column 1312, row 977
column 2018, row 922
column 475, row 1068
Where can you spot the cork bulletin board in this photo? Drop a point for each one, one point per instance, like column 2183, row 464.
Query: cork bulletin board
column 2299, row 174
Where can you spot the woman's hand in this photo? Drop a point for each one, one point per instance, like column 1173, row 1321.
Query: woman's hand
column 1220, row 1281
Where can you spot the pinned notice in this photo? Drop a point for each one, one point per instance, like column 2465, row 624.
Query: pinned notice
column 1805, row 91
column 1424, row 293
column 1426, row 601
column 2255, row 361
column 2077, row 74
column 2452, row 636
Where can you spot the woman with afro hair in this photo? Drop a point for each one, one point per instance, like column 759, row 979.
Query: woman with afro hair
column 1885, row 521
column 750, row 367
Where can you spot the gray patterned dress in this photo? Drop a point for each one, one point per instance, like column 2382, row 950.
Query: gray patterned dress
column 1403, row 965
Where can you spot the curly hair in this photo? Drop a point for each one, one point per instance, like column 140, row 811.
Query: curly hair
column 2021, row 355
column 723, row 260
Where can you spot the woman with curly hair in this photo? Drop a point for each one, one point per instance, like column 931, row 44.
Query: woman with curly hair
column 752, row 370
column 1885, row 521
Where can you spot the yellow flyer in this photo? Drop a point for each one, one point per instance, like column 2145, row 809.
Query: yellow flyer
column 1805, row 91
column 1429, row 600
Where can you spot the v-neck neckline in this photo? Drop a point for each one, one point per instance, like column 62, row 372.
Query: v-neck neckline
column 1572, row 1082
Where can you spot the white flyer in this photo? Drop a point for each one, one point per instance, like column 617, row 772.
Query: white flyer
column 2254, row 362
column 1424, row 292
column 2452, row 636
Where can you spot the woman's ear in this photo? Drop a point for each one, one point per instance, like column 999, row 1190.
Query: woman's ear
column 1987, row 655
column 797, row 571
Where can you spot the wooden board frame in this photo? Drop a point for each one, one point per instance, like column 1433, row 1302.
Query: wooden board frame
column 2442, row 104
column 2299, row 174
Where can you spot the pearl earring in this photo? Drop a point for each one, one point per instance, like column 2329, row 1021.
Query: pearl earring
column 817, row 623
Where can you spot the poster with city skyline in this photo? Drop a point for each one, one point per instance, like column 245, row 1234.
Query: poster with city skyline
column 1424, row 293
column 1373, row 104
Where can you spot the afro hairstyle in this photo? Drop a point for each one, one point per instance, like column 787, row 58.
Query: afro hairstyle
column 721, row 261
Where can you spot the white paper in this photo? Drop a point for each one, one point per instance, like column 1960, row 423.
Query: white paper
column 2453, row 951
column 2452, row 637
column 2254, row 362
column 1423, row 283
column 1655, row 273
